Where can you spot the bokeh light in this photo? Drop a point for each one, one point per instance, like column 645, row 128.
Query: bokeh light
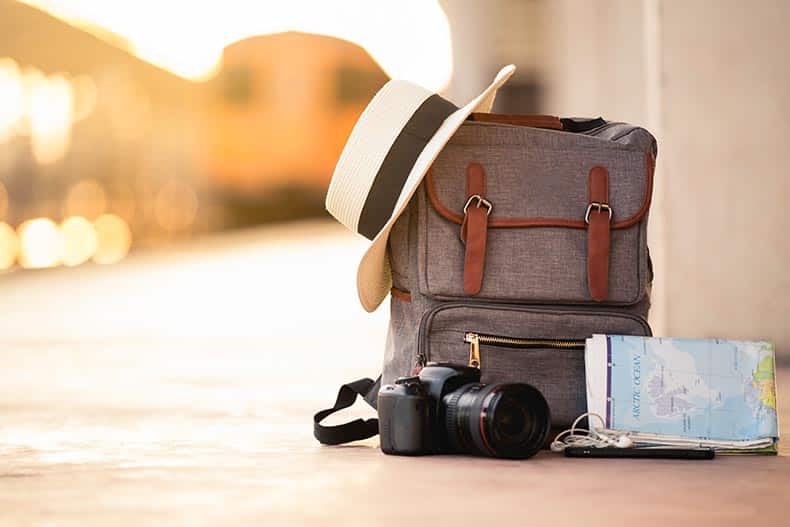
column 43, row 107
column 51, row 111
column 9, row 246
column 176, row 206
column 3, row 202
column 79, row 240
column 113, row 239
column 12, row 98
column 85, row 198
column 41, row 244
column 121, row 200
column 85, row 96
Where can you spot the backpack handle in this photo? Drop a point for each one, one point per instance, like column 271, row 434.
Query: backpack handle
column 534, row 121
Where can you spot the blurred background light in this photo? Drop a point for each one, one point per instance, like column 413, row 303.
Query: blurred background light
column 193, row 49
column 85, row 95
column 79, row 240
column 106, row 137
column 121, row 200
column 9, row 246
column 51, row 110
column 41, row 244
column 43, row 107
column 176, row 206
column 113, row 239
column 3, row 202
column 12, row 98
column 85, row 198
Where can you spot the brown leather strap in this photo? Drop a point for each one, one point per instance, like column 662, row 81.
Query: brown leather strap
column 571, row 223
column 599, row 218
column 474, row 229
column 535, row 121
column 400, row 294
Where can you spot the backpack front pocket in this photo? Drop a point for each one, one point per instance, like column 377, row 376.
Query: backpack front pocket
column 475, row 340
column 541, row 346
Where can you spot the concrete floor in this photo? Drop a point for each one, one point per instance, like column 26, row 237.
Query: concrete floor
column 177, row 388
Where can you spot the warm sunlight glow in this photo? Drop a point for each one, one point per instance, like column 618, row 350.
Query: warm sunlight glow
column 40, row 243
column 9, row 246
column 50, row 109
column 85, row 198
column 3, row 202
column 12, row 98
column 42, row 106
column 410, row 39
column 79, row 240
column 175, row 206
column 113, row 239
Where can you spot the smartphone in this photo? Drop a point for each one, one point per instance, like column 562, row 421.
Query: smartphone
column 640, row 453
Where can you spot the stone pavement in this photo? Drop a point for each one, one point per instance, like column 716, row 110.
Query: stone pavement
column 177, row 388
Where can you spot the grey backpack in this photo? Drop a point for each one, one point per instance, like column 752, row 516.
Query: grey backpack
column 522, row 241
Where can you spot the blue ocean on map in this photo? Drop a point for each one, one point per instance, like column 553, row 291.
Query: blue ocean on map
column 708, row 389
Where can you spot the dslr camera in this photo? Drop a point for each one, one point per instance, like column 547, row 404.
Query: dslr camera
column 445, row 410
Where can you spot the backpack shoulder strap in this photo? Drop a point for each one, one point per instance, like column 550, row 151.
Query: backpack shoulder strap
column 354, row 430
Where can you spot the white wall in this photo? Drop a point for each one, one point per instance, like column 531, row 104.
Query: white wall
column 726, row 136
column 594, row 59
column 712, row 80
column 487, row 35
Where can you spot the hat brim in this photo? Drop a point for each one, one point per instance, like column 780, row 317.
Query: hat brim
column 374, row 278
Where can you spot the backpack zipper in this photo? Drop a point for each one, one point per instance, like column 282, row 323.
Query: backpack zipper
column 423, row 354
column 475, row 339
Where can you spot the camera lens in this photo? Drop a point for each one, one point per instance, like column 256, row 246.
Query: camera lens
column 499, row 420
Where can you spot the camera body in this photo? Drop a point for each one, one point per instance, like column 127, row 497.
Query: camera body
column 445, row 409
column 410, row 410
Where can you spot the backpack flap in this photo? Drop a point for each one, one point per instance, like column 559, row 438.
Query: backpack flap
column 519, row 214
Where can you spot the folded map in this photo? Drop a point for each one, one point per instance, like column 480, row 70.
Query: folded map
column 667, row 391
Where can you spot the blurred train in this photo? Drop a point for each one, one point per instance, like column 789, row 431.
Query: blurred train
column 171, row 157
column 277, row 116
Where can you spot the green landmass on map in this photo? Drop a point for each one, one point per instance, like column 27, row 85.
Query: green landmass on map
column 764, row 380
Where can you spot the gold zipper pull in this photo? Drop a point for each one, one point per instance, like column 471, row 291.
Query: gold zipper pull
column 474, row 349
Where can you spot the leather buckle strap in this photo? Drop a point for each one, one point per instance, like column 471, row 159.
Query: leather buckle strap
column 474, row 228
column 598, row 218
column 479, row 201
column 599, row 207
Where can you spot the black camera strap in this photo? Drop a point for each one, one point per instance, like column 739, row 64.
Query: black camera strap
column 354, row 430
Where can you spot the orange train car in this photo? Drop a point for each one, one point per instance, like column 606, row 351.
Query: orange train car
column 281, row 109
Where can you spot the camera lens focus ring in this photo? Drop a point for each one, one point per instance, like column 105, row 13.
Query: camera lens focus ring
column 455, row 417
column 499, row 420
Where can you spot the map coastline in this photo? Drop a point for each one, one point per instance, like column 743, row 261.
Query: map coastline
column 700, row 389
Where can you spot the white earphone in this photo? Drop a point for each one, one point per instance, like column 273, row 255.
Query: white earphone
column 584, row 437
column 624, row 442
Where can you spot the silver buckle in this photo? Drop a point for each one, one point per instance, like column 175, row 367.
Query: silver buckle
column 481, row 201
column 600, row 207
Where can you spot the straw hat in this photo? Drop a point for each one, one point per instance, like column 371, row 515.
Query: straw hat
column 392, row 146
